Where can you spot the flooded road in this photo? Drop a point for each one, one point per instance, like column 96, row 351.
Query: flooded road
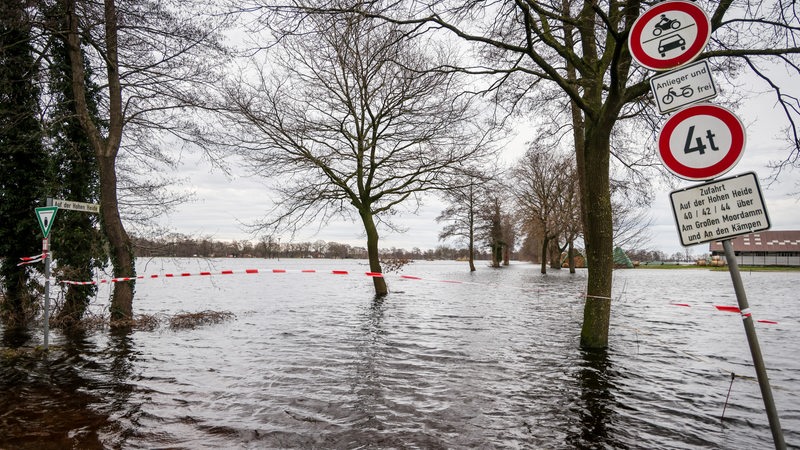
column 312, row 360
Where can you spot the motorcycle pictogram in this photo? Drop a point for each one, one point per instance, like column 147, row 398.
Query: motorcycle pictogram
column 669, row 97
column 665, row 24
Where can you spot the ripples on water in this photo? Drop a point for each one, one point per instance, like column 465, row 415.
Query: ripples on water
column 314, row 360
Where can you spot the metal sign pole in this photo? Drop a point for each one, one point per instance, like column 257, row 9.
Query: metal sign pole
column 47, row 260
column 755, row 349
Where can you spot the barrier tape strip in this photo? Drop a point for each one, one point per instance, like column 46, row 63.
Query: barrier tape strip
column 32, row 259
column 733, row 309
column 37, row 258
column 232, row 272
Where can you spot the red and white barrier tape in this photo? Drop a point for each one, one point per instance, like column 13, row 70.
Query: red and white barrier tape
column 732, row 309
column 239, row 272
column 32, row 259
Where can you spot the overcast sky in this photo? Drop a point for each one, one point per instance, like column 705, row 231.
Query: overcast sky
column 223, row 203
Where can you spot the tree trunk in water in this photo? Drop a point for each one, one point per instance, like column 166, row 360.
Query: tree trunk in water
column 106, row 149
column 598, row 232
column 372, row 252
column 571, row 256
column 471, row 252
column 545, row 241
column 497, row 254
column 121, row 249
column 471, row 229
column 555, row 255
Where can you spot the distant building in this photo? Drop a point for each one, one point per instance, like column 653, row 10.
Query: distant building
column 765, row 248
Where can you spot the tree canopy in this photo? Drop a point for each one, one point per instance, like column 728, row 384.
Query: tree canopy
column 356, row 119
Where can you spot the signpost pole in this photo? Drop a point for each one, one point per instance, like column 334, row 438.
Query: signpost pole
column 47, row 260
column 755, row 349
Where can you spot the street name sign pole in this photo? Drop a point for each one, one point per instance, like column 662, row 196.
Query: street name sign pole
column 46, row 217
column 720, row 210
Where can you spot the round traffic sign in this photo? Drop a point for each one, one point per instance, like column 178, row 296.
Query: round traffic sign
column 669, row 35
column 701, row 142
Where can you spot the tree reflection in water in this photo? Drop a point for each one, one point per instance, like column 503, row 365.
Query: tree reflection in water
column 15, row 337
column 367, row 384
column 597, row 404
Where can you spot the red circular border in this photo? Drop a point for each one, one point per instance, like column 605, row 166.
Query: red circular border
column 703, row 35
column 702, row 173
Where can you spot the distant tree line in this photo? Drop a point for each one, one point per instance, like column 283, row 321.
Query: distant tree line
column 181, row 246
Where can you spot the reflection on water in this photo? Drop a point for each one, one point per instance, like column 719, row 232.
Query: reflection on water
column 316, row 361
column 597, row 403
column 15, row 337
column 47, row 398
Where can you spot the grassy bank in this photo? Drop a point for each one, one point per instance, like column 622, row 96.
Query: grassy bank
column 723, row 268
column 762, row 268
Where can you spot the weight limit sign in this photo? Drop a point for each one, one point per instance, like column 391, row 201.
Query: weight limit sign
column 701, row 142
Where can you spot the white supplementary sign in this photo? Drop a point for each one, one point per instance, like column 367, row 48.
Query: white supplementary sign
column 719, row 210
column 77, row 206
column 678, row 88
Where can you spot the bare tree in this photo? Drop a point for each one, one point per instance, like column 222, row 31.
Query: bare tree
column 152, row 58
column 631, row 224
column 462, row 212
column 577, row 50
column 349, row 119
column 572, row 226
column 545, row 193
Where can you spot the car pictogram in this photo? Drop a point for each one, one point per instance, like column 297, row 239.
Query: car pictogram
column 671, row 43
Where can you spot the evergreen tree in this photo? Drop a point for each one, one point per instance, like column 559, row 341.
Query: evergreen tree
column 22, row 160
column 77, row 243
column 621, row 259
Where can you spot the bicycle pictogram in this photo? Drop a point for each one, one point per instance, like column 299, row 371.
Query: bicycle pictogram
column 669, row 97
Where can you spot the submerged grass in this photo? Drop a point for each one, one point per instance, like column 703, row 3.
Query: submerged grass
column 148, row 322
column 193, row 320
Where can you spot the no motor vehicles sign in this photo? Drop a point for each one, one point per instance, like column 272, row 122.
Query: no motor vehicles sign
column 669, row 35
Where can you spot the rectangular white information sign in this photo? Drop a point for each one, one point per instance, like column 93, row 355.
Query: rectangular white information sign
column 719, row 209
column 684, row 86
column 77, row 206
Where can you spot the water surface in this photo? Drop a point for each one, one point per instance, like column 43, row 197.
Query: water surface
column 314, row 360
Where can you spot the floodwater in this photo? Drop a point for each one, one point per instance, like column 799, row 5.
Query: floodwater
column 313, row 360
